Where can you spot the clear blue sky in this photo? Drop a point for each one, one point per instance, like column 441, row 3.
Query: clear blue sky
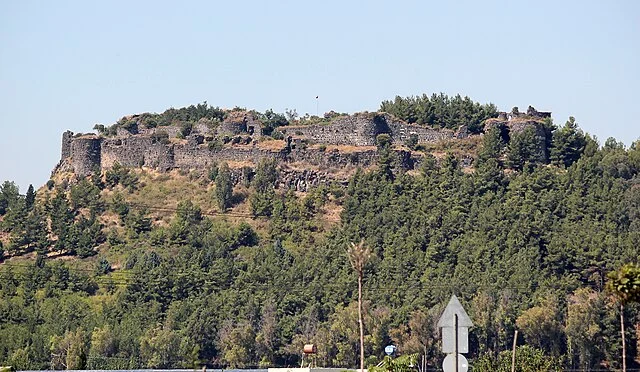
column 72, row 64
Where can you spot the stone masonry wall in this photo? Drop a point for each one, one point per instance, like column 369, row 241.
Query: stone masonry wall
column 66, row 144
column 401, row 133
column 362, row 130
column 84, row 154
column 356, row 130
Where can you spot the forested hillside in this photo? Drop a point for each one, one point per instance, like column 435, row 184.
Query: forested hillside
column 138, row 269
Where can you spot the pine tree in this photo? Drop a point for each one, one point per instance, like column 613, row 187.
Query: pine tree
column 30, row 197
column 524, row 148
column 224, row 187
column 568, row 144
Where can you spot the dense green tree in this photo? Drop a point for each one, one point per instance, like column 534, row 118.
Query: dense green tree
column 583, row 329
column 440, row 110
column 69, row 351
column 523, row 250
column 568, row 144
column 387, row 161
column 120, row 175
column 61, row 217
column 266, row 175
column 9, row 194
column 138, row 222
column 403, row 363
column 85, row 194
column 271, row 120
column 224, row 187
column 528, row 359
column 524, row 148
column 541, row 327
column 30, row 233
column 492, row 145
column 185, row 227
column 30, row 197
column 238, row 344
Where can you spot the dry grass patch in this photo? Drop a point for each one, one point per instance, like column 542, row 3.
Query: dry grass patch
column 464, row 146
column 346, row 149
column 161, row 192
column 331, row 214
column 271, row 145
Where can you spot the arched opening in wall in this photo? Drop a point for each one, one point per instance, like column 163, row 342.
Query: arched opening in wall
column 250, row 129
column 380, row 125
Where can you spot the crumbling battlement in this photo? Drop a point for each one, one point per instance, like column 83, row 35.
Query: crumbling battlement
column 517, row 123
column 237, row 139
column 362, row 130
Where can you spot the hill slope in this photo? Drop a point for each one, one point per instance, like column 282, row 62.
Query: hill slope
column 184, row 268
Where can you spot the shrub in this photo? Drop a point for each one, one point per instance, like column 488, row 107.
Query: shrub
column 215, row 145
column 160, row 137
column 383, row 140
column 121, row 175
column 99, row 128
column 185, row 129
column 412, row 141
column 103, row 267
column 213, row 172
column 247, row 176
column 130, row 125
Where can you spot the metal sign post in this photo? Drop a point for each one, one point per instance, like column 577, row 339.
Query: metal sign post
column 455, row 324
column 456, row 354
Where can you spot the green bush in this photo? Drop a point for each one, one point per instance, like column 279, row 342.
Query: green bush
column 119, row 175
column 160, row 137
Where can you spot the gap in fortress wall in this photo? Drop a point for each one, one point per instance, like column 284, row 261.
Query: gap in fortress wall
column 346, row 142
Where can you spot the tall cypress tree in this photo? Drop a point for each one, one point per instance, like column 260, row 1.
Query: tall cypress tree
column 30, row 198
column 224, row 187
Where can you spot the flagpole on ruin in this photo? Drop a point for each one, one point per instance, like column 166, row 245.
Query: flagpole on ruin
column 317, row 111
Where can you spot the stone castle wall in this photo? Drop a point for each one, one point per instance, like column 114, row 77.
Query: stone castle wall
column 85, row 154
column 66, row 144
column 356, row 130
column 516, row 125
column 144, row 148
column 362, row 130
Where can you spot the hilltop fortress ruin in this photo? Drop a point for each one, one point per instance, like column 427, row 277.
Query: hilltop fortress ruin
column 343, row 141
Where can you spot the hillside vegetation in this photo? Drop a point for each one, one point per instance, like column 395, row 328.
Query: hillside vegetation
column 139, row 269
